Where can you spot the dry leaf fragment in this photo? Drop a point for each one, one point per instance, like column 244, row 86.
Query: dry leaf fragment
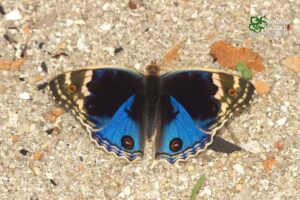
column 12, row 65
column 261, row 87
column 57, row 111
column 229, row 56
column 132, row 5
column 54, row 114
column 38, row 77
column 14, row 138
column 279, row 145
column 173, row 53
column 292, row 63
column 38, row 155
column 268, row 163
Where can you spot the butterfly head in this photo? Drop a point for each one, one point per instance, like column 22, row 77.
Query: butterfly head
column 153, row 69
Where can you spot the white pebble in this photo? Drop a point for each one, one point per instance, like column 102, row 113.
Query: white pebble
column 281, row 121
column 206, row 192
column 239, row 169
column 105, row 6
column 110, row 192
column 24, row 95
column 81, row 43
column 69, row 22
column 270, row 123
column 106, row 27
column 296, row 21
column 127, row 191
column 284, row 108
column 13, row 15
column 252, row 146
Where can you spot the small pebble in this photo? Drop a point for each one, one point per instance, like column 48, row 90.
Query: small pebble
column 281, row 121
column 2, row 12
column 252, row 146
column 43, row 68
column 42, row 86
column 13, row 15
column 239, row 169
column 24, row 95
column 105, row 6
column 53, row 182
column 24, row 152
column 81, row 43
column 51, row 131
column 106, row 27
column 111, row 192
column 118, row 50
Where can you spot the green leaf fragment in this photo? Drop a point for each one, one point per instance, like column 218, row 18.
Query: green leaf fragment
column 197, row 187
column 244, row 70
column 241, row 66
column 247, row 74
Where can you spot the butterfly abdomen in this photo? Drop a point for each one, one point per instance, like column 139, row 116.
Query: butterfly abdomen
column 152, row 99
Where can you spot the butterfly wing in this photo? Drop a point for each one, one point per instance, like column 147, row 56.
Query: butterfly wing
column 107, row 102
column 178, row 137
column 200, row 101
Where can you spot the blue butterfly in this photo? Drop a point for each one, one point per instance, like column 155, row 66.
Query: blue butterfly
column 180, row 110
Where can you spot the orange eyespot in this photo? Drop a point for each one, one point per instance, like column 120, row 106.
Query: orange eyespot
column 232, row 92
column 72, row 88
column 176, row 144
column 127, row 142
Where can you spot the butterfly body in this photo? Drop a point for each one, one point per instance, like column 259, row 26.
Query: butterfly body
column 121, row 108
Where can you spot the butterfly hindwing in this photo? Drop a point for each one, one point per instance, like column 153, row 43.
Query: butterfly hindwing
column 199, row 102
column 178, row 136
column 106, row 100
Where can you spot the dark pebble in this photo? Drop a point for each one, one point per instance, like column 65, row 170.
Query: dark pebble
column 2, row 12
column 118, row 50
column 41, row 44
column 24, row 152
column 42, row 86
column 44, row 67
column 60, row 54
column 53, row 182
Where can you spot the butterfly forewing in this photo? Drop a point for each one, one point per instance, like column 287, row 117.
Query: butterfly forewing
column 107, row 102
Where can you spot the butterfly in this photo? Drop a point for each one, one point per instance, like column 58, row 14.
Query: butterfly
column 180, row 110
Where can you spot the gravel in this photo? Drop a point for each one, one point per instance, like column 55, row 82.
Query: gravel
column 65, row 35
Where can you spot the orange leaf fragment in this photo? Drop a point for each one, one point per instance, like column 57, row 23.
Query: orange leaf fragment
column 268, row 163
column 38, row 155
column 38, row 77
column 279, row 145
column 12, row 65
column 173, row 54
column 261, row 87
column 54, row 114
column 132, row 5
column 26, row 29
column 229, row 56
column 14, row 138
column 292, row 63
column 57, row 111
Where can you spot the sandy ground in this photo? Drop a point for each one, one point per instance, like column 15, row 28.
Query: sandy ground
column 88, row 32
